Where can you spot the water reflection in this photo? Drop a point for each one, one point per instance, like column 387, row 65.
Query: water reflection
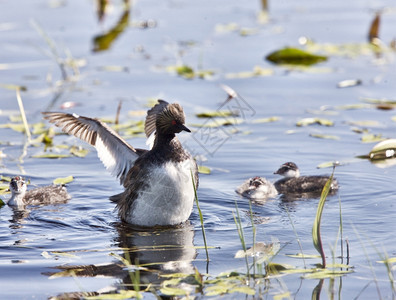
column 154, row 252
column 104, row 41
column 18, row 217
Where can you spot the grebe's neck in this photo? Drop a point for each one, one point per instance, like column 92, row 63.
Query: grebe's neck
column 292, row 173
column 16, row 199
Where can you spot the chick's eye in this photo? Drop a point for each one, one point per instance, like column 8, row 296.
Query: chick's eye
column 173, row 122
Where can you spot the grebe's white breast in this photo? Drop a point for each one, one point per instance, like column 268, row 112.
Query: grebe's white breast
column 168, row 198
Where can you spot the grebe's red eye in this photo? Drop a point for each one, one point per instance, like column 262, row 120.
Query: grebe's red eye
column 173, row 122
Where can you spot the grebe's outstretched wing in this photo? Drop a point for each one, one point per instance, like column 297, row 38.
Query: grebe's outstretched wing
column 114, row 152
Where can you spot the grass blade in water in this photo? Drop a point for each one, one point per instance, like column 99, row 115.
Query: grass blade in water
column 316, row 237
column 200, row 217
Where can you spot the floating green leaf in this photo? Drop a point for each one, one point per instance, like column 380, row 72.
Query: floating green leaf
column 64, row 254
column 248, row 31
column 266, row 120
column 219, row 122
column 310, row 121
column 215, row 290
column 285, row 295
column 63, row 180
column 380, row 101
column 324, row 136
column 243, row 289
column 172, row 291
column 123, row 294
column 50, row 155
column 2, row 203
column 185, row 71
column 300, row 255
column 327, row 273
column 274, row 268
column 353, row 106
column 371, row 138
column 217, row 113
column 79, row 151
column 294, row 56
column 256, row 72
column 204, row 170
column 328, row 164
column 14, row 126
column 367, row 123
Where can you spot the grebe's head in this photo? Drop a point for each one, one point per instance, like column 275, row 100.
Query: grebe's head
column 18, row 185
column 288, row 170
column 171, row 120
column 255, row 182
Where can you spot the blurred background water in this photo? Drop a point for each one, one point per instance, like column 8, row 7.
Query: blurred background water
column 227, row 37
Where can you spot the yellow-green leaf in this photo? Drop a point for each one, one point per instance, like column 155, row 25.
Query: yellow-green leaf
column 324, row 136
column 367, row 123
column 285, row 295
column 185, row 71
column 63, row 180
column 171, row 291
column 50, row 155
column 256, row 72
column 295, row 56
column 243, row 289
column 310, row 121
column 204, row 170
column 219, row 122
column 371, row 138
column 216, row 113
column 328, row 164
column 390, row 260
column 266, row 120
column 16, row 127
column 123, row 294
column 64, row 254
column 79, row 151
column 300, row 255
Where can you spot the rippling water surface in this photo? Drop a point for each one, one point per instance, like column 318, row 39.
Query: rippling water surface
column 40, row 245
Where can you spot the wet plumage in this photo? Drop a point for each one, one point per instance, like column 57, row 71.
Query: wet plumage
column 20, row 196
column 257, row 188
column 293, row 183
column 158, row 184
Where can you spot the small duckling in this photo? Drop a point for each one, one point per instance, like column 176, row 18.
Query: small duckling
column 257, row 188
column 43, row 195
column 293, row 183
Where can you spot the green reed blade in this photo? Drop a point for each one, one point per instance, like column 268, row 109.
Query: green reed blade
column 316, row 236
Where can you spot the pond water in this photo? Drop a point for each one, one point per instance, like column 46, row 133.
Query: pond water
column 39, row 38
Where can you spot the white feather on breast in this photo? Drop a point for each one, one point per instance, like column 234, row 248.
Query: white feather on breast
column 170, row 197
